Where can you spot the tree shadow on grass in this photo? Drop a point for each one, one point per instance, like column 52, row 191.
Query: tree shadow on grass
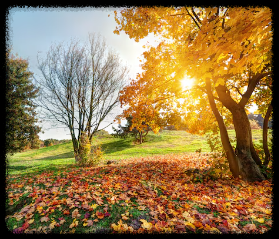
column 38, row 169
column 18, row 168
column 59, row 156
column 116, row 146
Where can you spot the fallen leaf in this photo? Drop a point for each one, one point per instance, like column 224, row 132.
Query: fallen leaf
column 141, row 208
column 250, row 227
column 75, row 214
column 100, row 215
column 31, row 221
column 188, row 217
column 66, row 212
column 89, row 223
column 74, row 223
column 44, row 219
column 87, row 215
column 260, row 220
column 189, row 225
column 94, row 206
column 145, row 224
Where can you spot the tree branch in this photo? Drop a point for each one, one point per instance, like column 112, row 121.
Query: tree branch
column 195, row 15
column 193, row 18
column 252, row 84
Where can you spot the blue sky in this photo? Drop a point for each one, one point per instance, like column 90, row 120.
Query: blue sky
column 34, row 30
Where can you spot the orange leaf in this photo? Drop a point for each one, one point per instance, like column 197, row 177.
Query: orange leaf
column 197, row 224
column 100, row 215
column 66, row 212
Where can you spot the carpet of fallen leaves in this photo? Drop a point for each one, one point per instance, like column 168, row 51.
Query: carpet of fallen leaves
column 143, row 195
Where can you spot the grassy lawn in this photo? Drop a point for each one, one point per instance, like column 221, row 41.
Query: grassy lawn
column 148, row 189
column 166, row 142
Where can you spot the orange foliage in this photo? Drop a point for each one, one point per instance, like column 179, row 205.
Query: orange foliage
column 226, row 45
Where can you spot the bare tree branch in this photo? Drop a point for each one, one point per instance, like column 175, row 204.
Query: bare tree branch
column 80, row 85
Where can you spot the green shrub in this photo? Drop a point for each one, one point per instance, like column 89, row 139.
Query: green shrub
column 214, row 142
column 220, row 165
column 267, row 170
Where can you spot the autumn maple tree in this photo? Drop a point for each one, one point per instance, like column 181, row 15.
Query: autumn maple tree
column 226, row 50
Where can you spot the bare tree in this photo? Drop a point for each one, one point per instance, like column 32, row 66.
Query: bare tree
column 80, row 86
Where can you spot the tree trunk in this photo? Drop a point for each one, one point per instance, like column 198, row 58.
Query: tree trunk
column 140, row 139
column 76, row 148
column 232, row 159
column 249, row 170
column 265, row 131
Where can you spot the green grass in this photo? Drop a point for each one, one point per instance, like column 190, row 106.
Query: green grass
column 59, row 156
column 42, row 159
column 36, row 172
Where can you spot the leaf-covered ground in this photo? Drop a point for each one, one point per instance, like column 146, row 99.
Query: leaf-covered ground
column 143, row 195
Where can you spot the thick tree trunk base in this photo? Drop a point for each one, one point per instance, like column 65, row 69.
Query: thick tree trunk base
column 77, row 158
column 249, row 170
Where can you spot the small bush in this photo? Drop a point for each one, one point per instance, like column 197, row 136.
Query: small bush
column 214, row 142
column 267, row 170
column 96, row 154
column 220, row 165
column 88, row 156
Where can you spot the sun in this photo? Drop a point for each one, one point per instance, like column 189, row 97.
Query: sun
column 187, row 83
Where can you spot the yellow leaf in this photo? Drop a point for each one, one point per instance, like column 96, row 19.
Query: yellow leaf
column 141, row 207
column 39, row 209
column 260, row 220
column 189, row 224
column 219, row 171
column 145, row 224
column 207, row 75
column 74, row 224
column 94, row 206
column 188, row 217
column 125, row 216
column 267, row 211
column 222, row 55
column 214, row 230
column 52, row 225
column 227, row 203
column 31, row 221
column 219, row 81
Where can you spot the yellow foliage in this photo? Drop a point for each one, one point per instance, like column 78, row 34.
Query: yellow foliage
column 223, row 44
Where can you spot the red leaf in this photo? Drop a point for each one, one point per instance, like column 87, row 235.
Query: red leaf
column 107, row 214
column 25, row 225
column 225, row 223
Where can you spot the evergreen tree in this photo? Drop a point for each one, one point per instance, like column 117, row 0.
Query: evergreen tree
column 20, row 107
